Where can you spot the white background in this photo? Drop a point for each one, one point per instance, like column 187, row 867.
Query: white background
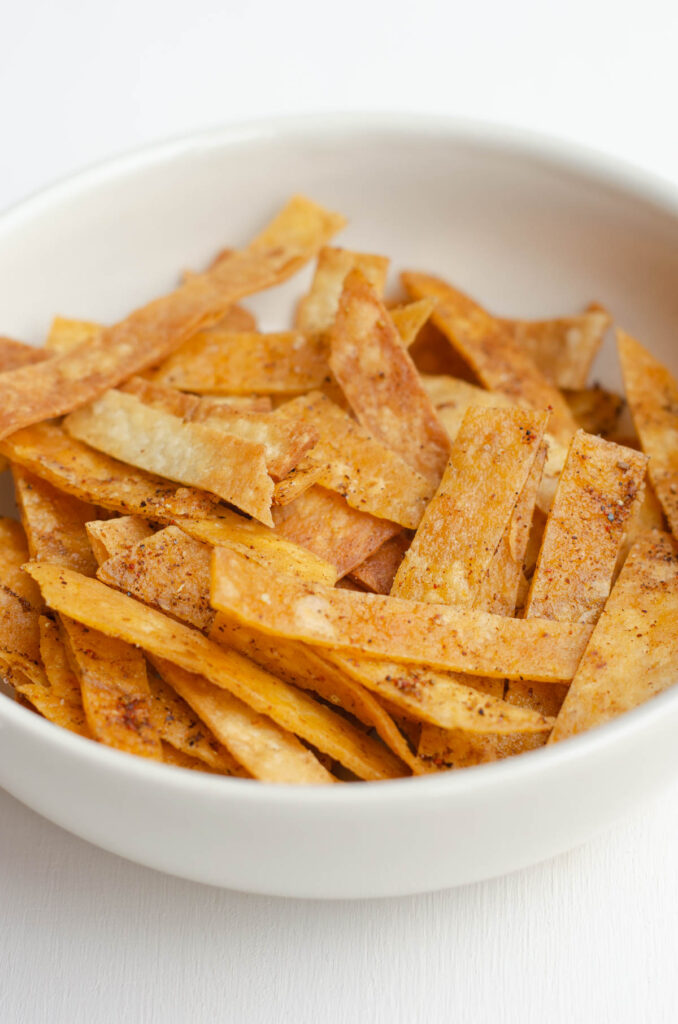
column 86, row 937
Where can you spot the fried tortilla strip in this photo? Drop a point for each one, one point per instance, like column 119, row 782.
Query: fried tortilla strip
column 488, row 468
column 54, row 523
column 460, row 748
column 382, row 383
column 298, row 481
column 492, row 352
column 633, row 652
column 388, row 627
column 160, row 396
column 71, row 466
column 317, row 310
column 178, row 759
column 14, row 354
column 195, row 454
column 649, row 516
column 371, row 477
column 114, row 688
column 378, row 571
column 563, row 349
column 20, row 606
column 596, row 410
column 66, row 334
column 229, row 529
column 324, row 523
column 69, row 380
column 97, row 606
column 652, row 394
column 409, row 319
column 266, row 751
column 111, row 537
column 59, row 698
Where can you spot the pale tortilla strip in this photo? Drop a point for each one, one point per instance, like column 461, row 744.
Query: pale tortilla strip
column 652, row 394
column 317, row 310
column 114, row 688
column 387, row 627
column 194, row 454
column 55, row 523
column 111, row 537
column 14, row 354
column 596, row 410
column 564, row 348
column 493, row 353
column 633, row 652
column 66, row 334
column 69, row 380
column 381, row 382
column 324, row 523
column 20, row 606
column 378, row 571
column 97, row 606
column 71, row 466
column 489, row 465
column 409, row 319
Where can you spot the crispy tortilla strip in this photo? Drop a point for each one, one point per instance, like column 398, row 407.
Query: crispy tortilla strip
column 317, row 310
column 296, row 663
column 649, row 516
column 58, row 699
column 432, row 353
column 325, row 524
column 20, row 606
column 369, row 475
column 388, row 627
column 563, row 349
column 409, row 319
column 633, row 652
column 652, row 394
column 492, row 352
column 114, row 688
column 170, row 571
column 160, row 396
column 297, row 482
column 16, row 353
column 596, row 410
column 176, row 758
column 268, row 752
column 66, row 334
column 71, row 466
column 488, row 468
column 111, row 537
column 378, row 571
column 54, row 523
column 98, row 607
column 191, row 453
column 69, row 380
column 259, row 542
column 460, row 748
column 179, row 726
column 381, row 382
column 223, row 362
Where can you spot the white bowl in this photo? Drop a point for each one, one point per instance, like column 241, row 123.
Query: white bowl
column 530, row 227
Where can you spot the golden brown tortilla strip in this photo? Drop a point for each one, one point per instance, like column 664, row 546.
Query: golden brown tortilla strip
column 382, row 383
column 160, row 396
column 633, row 652
column 563, row 349
column 324, row 523
column 409, row 319
column 71, row 466
column 460, row 748
column 66, row 334
column 387, row 627
column 54, row 523
column 59, row 700
column 297, row 482
column 195, row 454
column 20, row 606
column 652, row 394
column 489, row 464
column 317, row 310
column 596, row 410
column 378, row 571
column 78, row 376
column 178, row 759
column 492, row 352
column 97, row 606
column 14, row 354
column 111, row 537
column 649, row 516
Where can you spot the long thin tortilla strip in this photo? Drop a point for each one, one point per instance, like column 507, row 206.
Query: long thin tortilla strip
column 55, row 522
column 144, row 338
column 388, row 627
column 317, row 310
column 495, row 356
column 97, row 606
column 633, row 652
column 20, row 606
column 122, row 426
column 564, row 348
column 14, row 354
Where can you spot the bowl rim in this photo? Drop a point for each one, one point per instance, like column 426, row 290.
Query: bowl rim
column 557, row 153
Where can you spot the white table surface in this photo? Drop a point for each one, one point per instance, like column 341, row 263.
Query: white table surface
column 87, row 937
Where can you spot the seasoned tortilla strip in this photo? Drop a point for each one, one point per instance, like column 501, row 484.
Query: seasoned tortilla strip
column 69, row 380
column 489, row 465
column 649, row 516
column 378, row 571
column 381, row 382
column 114, row 688
column 563, row 349
column 495, row 356
column 317, row 310
column 388, row 627
column 98, row 607
column 66, row 334
column 195, row 454
column 409, row 319
column 268, row 752
column 20, row 606
column 54, row 523
column 652, row 394
column 461, row 748
column 633, row 652
column 325, row 524
column 596, row 410
column 297, row 482
column 14, row 354
column 111, row 537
